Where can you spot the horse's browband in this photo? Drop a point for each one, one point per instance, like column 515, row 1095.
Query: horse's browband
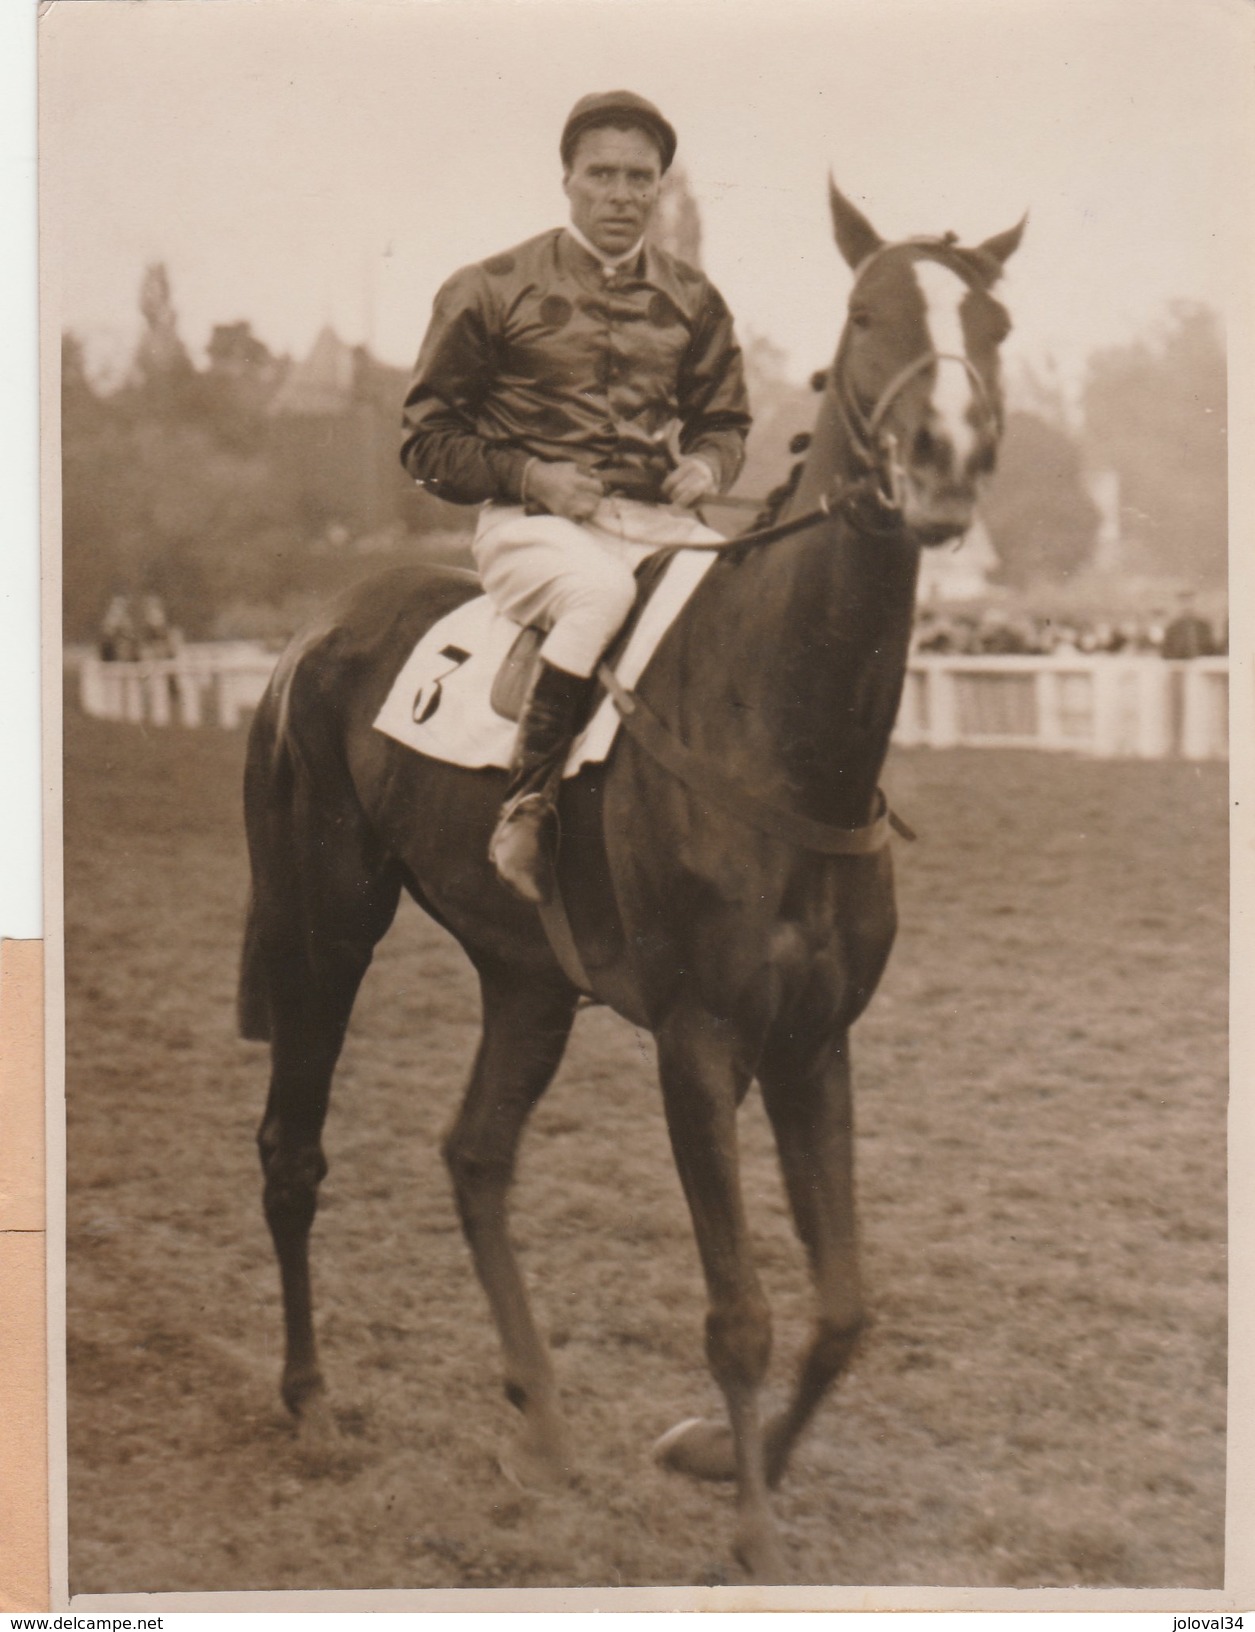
column 942, row 248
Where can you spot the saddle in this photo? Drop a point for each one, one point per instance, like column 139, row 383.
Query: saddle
column 439, row 702
column 513, row 680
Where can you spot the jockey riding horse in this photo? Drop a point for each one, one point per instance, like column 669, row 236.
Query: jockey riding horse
column 552, row 387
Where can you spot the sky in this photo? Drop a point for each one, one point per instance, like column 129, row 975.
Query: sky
column 301, row 162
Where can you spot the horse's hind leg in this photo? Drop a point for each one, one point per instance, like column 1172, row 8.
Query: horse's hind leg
column 809, row 1103
column 526, row 1023
column 322, row 905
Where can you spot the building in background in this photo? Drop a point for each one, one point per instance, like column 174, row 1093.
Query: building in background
column 335, row 432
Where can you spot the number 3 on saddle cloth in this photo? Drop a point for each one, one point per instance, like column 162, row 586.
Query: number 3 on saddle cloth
column 461, row 691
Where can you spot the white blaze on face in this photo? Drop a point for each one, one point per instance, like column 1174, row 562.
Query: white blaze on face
column 943, row 293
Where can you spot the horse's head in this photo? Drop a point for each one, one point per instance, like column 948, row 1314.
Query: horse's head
column 916, row 377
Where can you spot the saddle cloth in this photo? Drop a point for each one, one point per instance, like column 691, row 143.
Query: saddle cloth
column 440, row 703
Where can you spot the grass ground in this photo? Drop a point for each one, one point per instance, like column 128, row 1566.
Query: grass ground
column 1041, row 1101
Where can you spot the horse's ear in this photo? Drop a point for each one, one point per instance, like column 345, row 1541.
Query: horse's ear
column 1004, row 244
column 856, row 237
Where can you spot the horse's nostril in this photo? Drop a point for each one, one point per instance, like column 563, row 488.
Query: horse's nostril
column 929, row 449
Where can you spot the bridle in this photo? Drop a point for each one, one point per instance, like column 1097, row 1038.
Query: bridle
column 875, row 448
column 872, row 500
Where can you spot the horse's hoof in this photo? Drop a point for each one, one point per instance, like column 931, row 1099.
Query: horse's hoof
column 531, row 1469
column 315, row 1424
column 301, row 1390
column 529, row 1474
column 760, row 1556
column 699, row 1448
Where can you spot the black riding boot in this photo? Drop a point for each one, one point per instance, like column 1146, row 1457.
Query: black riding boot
column 546, row 730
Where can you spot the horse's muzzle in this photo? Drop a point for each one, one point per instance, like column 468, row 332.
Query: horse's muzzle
column 936, row 512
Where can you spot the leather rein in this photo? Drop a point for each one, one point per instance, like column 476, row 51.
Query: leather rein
column 706, row 778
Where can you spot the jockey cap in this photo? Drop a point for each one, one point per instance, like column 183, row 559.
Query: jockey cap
column 616, row 108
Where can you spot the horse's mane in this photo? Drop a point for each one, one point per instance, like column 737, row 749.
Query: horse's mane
column 775, row 502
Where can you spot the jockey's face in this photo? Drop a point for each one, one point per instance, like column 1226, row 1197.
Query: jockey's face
column 613, row 186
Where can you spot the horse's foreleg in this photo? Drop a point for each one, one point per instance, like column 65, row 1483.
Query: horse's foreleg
column 701, row 1085
column 526, row 1026
column 811, row 1113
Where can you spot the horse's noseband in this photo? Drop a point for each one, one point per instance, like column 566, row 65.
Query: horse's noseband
column 881, row 446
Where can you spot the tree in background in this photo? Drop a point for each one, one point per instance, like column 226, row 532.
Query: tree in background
column 253, row 483
column 236, row 389
column 152, row 503
column 78, row 396
column 201, row 486
column 1156, row 413
column 162, row 369
column 160, row 494
column 1040, row 516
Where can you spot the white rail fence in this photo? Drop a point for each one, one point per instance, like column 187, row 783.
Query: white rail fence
column 1106, row 706
column 203, row 685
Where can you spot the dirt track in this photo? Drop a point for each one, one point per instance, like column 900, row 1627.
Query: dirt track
column 1041, row 1105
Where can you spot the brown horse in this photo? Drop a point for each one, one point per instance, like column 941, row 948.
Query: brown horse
column 702, row 894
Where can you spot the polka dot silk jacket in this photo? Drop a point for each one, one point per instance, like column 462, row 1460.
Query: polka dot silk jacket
column 543, row 352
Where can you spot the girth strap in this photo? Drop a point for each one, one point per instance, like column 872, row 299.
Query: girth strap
column 697, row 773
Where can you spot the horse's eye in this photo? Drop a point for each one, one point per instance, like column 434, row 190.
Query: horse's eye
column 861, row 318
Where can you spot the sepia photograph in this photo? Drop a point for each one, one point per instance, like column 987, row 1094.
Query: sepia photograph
column 644, row 742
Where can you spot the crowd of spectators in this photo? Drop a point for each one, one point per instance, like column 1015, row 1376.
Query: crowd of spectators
column 129, row 634
column 1000, row 632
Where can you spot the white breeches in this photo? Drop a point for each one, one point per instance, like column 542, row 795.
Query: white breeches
column 575, row 579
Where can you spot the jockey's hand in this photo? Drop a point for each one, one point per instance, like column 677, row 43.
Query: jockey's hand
column 564, row 489
column 691, row 481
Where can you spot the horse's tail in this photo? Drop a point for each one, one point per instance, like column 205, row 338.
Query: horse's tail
column 323, row 891
column 268, row 790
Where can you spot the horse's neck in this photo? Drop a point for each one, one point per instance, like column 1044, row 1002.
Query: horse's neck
column 821, row 623
column 829, row 459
